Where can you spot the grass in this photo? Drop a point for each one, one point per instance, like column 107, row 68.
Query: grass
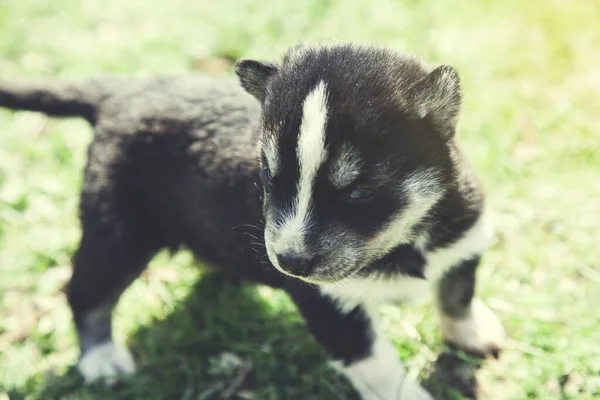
column 530, row 125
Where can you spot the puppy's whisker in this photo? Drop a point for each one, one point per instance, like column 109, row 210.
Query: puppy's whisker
column 253, row 226
column 259, row 244
column 246, row 234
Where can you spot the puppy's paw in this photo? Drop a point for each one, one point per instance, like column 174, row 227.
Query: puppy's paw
column 480, row 333
column 411, row 390
column 106, row 361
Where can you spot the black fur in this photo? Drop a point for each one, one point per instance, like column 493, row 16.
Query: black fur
column 401, row 115
column 457, row 288
column 165, row 152
column 347, row 337
column 174, row 163
column 404, row 260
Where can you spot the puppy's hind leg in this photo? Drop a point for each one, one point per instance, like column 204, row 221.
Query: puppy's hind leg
column 465, row 320
column 358, row 346
column 111, row 255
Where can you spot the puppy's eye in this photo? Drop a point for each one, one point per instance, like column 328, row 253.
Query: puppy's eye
column 265, row 176
column 360, row 195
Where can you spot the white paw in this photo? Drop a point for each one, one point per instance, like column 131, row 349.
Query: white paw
column 412, row 391
column 106, row 361
column 480, row 333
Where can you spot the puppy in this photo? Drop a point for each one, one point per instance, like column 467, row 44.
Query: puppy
column 364, row 196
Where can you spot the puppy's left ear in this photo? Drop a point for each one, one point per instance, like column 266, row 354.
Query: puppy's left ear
column 437, row 97
column 254, row 76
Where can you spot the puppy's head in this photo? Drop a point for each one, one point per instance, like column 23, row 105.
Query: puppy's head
column 356, row 150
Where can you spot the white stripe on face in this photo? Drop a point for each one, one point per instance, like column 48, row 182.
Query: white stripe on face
column 423, row 191
column 269, row 146
column 311, row 154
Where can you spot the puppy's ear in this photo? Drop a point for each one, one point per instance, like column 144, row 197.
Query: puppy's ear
column 437, row 97
column 254, row 76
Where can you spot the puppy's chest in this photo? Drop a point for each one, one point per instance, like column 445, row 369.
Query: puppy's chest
column 400, row 287
column 373, row 290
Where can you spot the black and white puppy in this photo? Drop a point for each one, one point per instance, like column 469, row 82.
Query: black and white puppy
column 365, row 198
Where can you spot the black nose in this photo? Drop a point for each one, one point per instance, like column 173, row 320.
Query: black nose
column 295, row 264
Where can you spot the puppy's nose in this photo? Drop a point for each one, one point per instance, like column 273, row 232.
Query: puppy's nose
column 295, row 264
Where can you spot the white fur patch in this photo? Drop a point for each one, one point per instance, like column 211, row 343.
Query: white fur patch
column 345, row 168
column 311, row 154
column 376, row 290
column 269, row 148
column 381, row 376
column 401, row 288
column 107, row 361
column 473, row 242
column 423, row 192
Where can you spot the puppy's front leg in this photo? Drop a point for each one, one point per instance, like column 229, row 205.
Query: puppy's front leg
column 465, row 320
column 358, row 346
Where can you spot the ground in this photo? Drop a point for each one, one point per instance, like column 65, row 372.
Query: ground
column 530, row 125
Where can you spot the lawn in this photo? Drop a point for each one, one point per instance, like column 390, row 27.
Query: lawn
column 530, row 124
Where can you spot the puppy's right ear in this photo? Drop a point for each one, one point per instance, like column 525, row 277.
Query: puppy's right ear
column 254, row 76
column 438, row 97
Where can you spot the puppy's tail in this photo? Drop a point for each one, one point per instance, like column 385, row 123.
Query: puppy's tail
column 57, row 98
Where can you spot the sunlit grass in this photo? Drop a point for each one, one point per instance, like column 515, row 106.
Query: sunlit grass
column 530, row 124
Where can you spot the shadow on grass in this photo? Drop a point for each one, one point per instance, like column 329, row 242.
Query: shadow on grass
column 225, row 340
column 453, row 377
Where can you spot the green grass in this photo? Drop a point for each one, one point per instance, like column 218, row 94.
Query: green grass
column 530, row 124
